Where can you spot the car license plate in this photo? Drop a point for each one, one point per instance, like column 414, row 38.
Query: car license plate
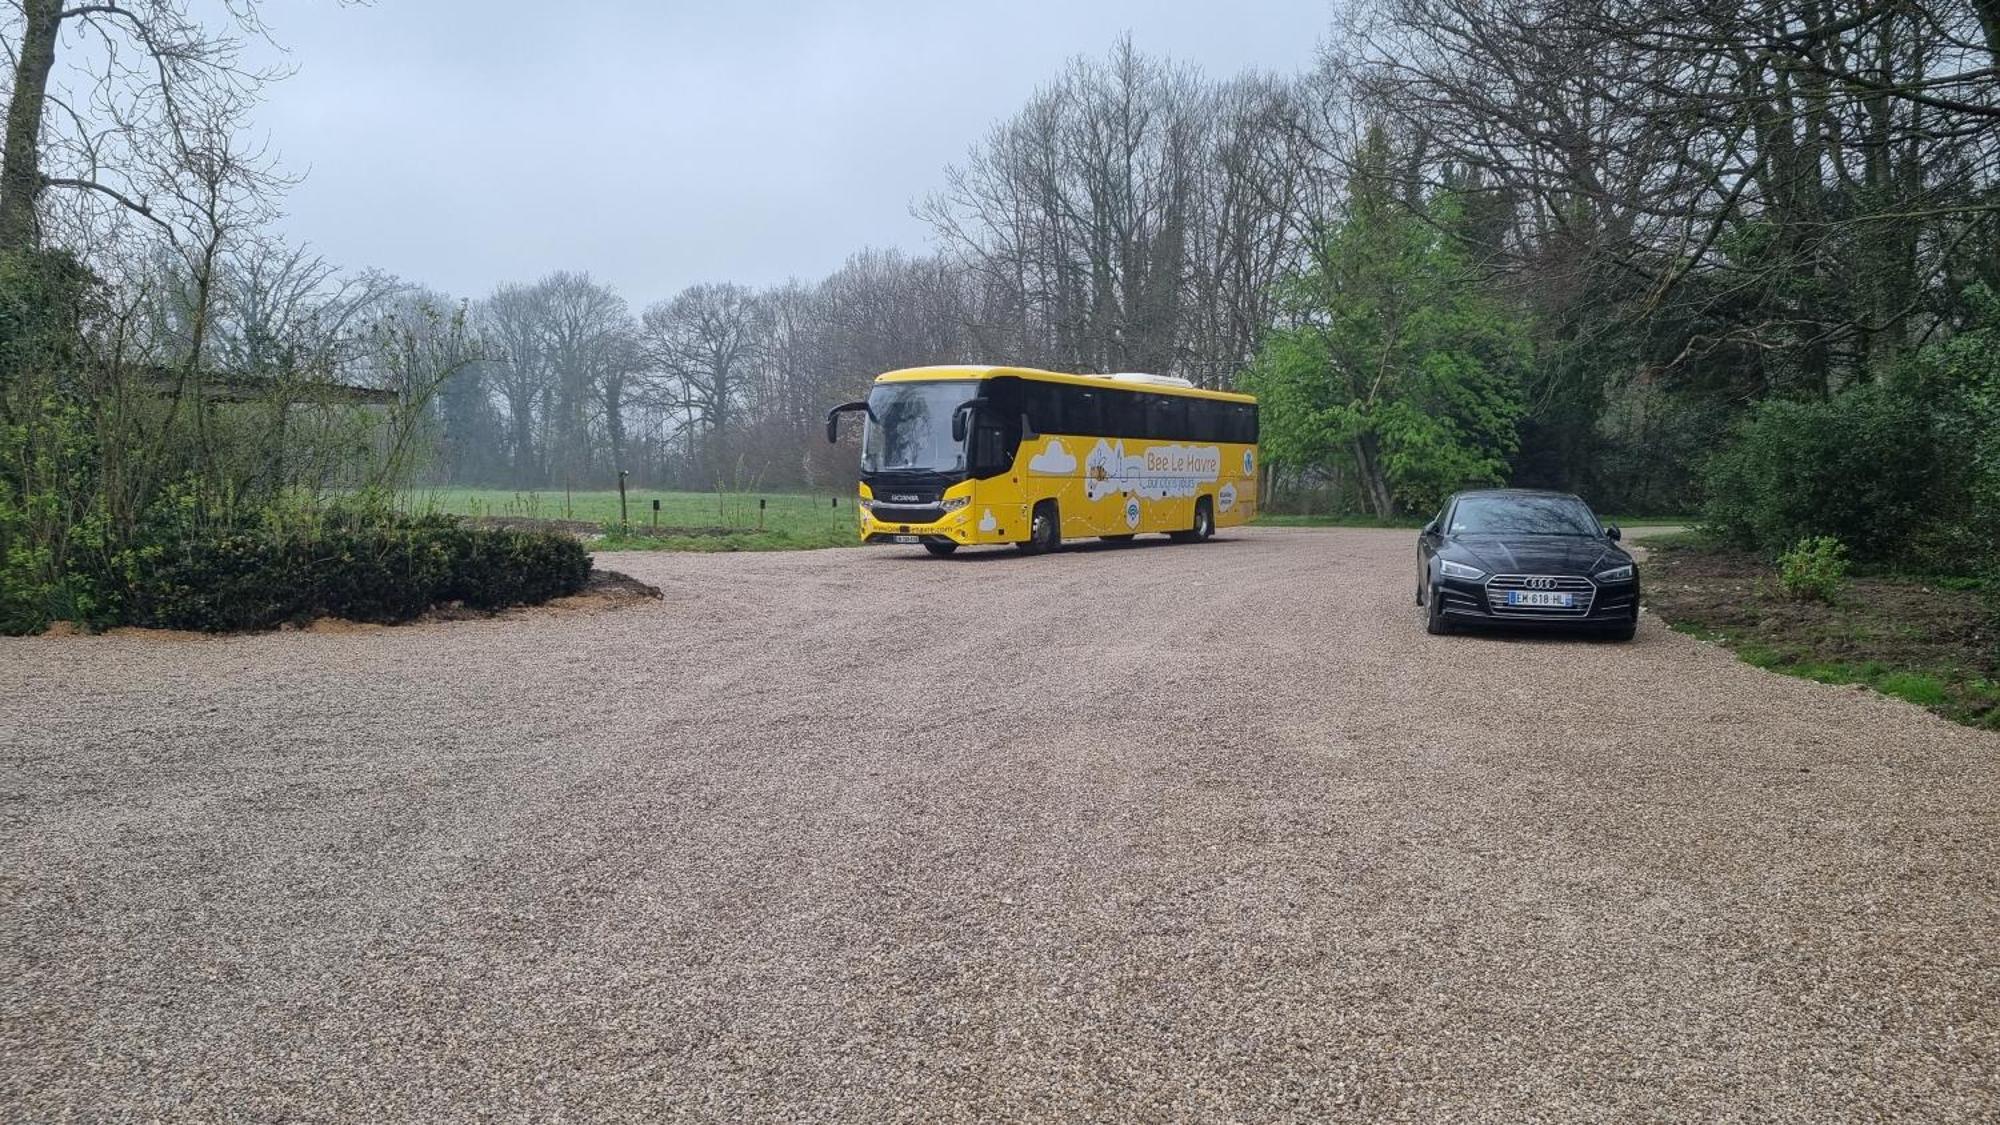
column 1541, row 598
column 909, row 539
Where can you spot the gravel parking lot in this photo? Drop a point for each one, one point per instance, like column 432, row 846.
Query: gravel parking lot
column 1162, row 832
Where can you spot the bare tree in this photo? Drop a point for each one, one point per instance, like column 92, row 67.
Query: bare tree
column 704, row 345
column 139, row 107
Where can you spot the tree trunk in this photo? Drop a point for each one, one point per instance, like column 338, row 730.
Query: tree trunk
column 1374, row 486
column 21, row 173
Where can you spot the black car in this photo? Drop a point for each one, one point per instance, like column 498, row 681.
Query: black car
column 1514, row 557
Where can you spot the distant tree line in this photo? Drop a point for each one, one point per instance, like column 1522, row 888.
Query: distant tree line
column 1588, row 244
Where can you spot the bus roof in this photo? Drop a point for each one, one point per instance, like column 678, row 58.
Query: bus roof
column 982, row 371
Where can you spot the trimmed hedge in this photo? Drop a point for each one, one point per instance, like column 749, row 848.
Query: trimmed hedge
column 385, row 570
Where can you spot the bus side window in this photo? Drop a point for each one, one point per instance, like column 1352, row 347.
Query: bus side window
column 1080, row 413
column 1206, row 420
column 1042, row 402
column 1124, row 414
column 991, row 451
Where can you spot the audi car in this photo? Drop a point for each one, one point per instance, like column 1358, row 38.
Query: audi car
column 1514, row 557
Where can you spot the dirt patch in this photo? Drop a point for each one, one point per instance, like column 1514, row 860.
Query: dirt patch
column 607, row 589
column 604, row 590
column 1878, row 629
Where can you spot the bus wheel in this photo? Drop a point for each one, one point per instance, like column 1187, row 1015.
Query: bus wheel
column 1204, row 524
column 1044, row 530
column 940, row 549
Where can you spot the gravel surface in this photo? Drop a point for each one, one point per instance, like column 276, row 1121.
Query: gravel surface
column 1162, row 832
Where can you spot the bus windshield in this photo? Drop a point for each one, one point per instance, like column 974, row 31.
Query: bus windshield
column 909, row 427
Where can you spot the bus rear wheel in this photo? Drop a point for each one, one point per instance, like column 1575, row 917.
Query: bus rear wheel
column 940, row 549
column 1044, row 530
column 1204, row 524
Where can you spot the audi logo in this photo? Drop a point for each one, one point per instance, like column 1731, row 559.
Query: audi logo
column 1540, row 584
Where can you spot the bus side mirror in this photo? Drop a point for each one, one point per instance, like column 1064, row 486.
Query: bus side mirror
column 961, row 420
column 833, row 418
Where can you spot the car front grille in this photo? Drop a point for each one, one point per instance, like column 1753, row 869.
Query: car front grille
column 1497, row 587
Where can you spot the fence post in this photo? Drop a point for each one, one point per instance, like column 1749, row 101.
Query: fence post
column 624, row 517
column 656, row 514
column 760, row 513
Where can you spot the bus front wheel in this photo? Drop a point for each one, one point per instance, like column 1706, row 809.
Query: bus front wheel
column 940, row 549
column 1044, row 530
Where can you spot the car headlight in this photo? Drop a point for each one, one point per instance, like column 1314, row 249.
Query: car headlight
column 955, row 503
column 1615, row 574
column 1459, row 570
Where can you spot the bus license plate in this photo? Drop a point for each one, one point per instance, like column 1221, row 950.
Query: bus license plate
column 1540, row 598
column 909, row 539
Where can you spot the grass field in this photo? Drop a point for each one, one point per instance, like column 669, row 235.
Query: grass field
column 753, row 521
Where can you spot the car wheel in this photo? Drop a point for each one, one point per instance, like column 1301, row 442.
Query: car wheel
column 1434, row 620
column 1044, row 530
column 1623, row 632
column 941, row 550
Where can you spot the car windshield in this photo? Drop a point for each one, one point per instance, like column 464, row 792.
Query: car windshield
column 909, row 427
column 1523, row 515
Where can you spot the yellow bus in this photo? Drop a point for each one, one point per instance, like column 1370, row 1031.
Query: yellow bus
column 961, row 456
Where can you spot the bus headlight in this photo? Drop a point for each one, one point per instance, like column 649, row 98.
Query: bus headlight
column 955, row 503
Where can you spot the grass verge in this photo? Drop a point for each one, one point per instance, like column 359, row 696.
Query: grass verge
column 790, row 540
column 1931, row 642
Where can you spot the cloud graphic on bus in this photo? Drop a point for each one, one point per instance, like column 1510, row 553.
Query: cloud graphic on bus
column 986, row 520
column 1053, row 460
column 1226, row 497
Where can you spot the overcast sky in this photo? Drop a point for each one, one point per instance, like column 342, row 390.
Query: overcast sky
column 462, row 143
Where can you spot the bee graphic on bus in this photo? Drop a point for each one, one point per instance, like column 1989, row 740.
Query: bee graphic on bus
column 964, row 455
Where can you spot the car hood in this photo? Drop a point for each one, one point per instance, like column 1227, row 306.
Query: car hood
column 1536, row 554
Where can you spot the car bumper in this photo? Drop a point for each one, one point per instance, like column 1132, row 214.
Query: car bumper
column 1470, row 603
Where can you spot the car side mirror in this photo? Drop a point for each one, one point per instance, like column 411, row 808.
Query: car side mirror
column 833, row 418
column 1431, row 528
column 1612, row 533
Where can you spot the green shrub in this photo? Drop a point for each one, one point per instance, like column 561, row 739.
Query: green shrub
column 360, row 567
column 495, row 568
column 1814, row 570
column 1959, row 379
column 1863, row 467
column 218, row 583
